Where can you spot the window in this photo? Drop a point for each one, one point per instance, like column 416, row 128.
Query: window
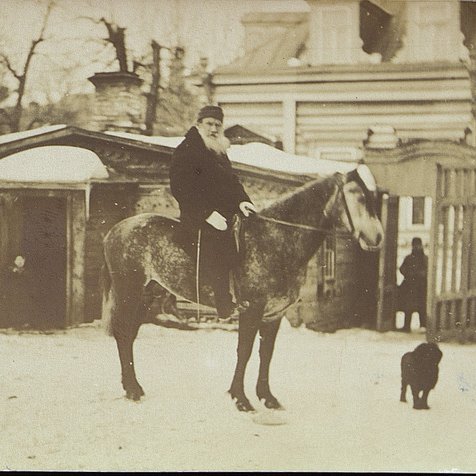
column 329, row 267
column 433, row 40
column 418, row 211
column 335, row 34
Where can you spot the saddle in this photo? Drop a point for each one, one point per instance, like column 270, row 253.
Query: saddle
column 186, row 237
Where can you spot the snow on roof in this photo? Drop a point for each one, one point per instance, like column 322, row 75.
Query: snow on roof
column 73, row 164
column 259, row 155
column 265, row 156
column 53, row 163
column 12, row 137
column 156, row 140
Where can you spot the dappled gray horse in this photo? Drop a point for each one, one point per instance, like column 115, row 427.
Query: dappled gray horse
column 278, row 244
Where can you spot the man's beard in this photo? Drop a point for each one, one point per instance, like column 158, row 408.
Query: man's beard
column 219, row 144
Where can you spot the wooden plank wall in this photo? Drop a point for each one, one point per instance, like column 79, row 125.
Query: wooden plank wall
column 259, row 117
column 350, row 301
column 347, row 123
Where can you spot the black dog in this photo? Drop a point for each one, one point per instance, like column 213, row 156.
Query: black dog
column 420, row 371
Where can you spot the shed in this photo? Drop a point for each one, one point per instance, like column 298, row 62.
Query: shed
column 61, row 189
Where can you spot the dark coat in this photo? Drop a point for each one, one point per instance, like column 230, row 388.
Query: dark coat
column 202, row 181
column 412, row 291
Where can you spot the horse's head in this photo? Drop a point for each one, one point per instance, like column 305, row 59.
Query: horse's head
column 355, row 204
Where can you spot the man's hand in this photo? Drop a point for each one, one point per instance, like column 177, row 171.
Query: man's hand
column 247, row 208
column 217, row 220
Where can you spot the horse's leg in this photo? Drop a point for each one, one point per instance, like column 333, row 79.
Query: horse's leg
column 126, row 320
column 247, row 329
column 268, row 332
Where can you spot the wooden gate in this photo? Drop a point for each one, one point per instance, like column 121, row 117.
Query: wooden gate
column 452, row 280
column 387, row 285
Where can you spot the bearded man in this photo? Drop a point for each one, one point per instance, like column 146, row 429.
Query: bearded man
column 209, row 196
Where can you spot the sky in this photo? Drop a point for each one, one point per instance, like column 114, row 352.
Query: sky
column 210, row 28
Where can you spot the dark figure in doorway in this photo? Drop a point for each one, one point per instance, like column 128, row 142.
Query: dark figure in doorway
column 412, row 291
column 18, row 295
column 209, row 195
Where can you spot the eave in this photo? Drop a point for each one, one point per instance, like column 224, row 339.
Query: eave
column 228, row 75
column 70, row 131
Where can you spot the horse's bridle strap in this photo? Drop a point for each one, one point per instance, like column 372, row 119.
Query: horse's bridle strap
column 301, row 226
column 346, row 208
column 325, row 216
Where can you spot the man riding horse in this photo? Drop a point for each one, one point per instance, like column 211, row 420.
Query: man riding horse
column 210, row 196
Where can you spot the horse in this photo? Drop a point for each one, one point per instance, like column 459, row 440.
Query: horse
column 278, row 242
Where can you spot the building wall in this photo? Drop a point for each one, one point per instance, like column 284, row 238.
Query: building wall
column 261, row 116
column 309, row 108
column 347, row 123
column 347, row 301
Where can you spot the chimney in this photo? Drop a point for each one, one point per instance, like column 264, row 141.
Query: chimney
column 119, row 104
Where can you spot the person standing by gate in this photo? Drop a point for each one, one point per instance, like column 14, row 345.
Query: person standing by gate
column 209, row 195
column 412, row 291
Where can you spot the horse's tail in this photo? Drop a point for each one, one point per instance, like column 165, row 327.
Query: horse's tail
column 107, row 298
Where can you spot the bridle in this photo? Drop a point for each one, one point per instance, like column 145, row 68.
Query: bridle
column 325, row 216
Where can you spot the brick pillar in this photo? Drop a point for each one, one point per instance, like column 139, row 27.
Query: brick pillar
column 119, row 104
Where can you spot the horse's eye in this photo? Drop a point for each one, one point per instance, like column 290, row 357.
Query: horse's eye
column 361, row 199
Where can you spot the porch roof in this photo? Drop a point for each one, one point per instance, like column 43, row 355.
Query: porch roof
column 411, row 168
column 256, row 159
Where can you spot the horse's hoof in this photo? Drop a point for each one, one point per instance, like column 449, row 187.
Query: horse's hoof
column 272, row 403
column 244, row 406
column 135, row 394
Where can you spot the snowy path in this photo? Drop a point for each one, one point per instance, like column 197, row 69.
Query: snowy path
column 61, row 404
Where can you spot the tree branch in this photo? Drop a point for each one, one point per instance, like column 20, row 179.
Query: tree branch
column 4, row 60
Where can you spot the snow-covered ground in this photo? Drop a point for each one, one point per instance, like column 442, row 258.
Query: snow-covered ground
column 61, row 404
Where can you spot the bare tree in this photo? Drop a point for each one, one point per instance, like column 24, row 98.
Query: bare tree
column 117, row 37
column 21, row 75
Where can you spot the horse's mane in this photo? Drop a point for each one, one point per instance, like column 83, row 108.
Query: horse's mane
column 289, row 199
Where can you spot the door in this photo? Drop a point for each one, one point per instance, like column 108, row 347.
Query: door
column 40, row 297
column 452, row 281
column 387, row 288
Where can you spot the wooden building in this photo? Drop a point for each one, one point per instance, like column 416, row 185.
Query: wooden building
column 325, row 76
column 59, row 224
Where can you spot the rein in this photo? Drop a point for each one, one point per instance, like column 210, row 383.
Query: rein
column 301, row 226
column 324, row 217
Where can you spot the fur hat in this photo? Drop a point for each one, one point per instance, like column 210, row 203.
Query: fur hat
column 210, row 111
